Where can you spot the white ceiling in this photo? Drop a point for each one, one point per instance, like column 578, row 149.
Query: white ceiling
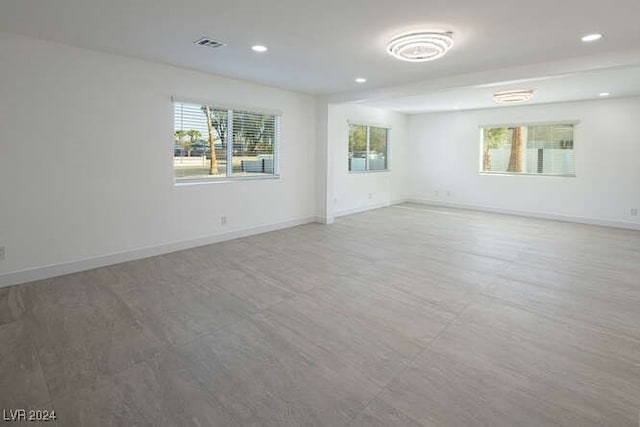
column 320, row 47
column 618, row 82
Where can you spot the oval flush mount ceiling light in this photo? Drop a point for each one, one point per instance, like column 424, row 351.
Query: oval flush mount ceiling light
column 259, row 48
column 513, row 96
column 420, row 47
column 591, row 37
column 361, row 80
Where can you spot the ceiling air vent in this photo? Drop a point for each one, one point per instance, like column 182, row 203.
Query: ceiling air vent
column 209, row 42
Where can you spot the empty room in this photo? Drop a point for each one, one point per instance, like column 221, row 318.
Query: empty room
column 319, row 213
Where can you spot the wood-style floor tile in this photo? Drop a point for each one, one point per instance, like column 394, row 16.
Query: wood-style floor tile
column 11, row 305
column 82, row 331
column 22, row 383
column 381, row 414
column 162, row 391
column 179, row 311
column 262, row 379
column 501, row 365
column 613, row 308
column 405, row 316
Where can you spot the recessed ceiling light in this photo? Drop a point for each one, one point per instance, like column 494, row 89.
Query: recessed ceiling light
column 605, row 94
column 361, row 80
column 513, row 96
column 591, row 37
column 259, row 48
column 420, row 47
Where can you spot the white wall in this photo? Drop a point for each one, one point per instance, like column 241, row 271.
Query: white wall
column 323, row 212
column 86, row 163
column 352, row 192
column 86, row 159
column 445, row 156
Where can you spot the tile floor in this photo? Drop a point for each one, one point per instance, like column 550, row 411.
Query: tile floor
column 404, row 316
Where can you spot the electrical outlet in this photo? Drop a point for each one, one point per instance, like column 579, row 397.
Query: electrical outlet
column 371, row 195
column 436, row 193
column 634, row 211
column 1, row 253
column 448, row 193
column 223, row 220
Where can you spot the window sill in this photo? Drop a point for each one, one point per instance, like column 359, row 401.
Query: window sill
column 368, row 172
column 184, row 182
column 548, row 175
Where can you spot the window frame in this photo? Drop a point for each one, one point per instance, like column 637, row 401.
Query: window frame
column 482, row 127
column 229, row 177
column 368, row 127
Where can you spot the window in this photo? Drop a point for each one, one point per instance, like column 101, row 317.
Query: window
column 201, row 147
column 536, row 149
column 367, row 148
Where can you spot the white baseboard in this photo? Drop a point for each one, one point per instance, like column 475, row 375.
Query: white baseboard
column 39, row 273
column 45, row 272
column 359, row 209
column 324, row 220
column 540, row 215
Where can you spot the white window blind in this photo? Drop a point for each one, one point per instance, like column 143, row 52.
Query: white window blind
column 201, row 142
column 535, row 149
